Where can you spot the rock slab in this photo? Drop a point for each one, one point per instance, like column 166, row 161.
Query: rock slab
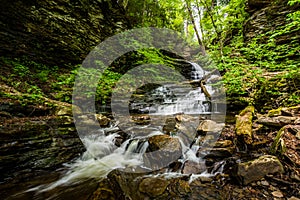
column 255, row 170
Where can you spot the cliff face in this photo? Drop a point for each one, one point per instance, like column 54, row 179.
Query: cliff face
column 57, row 32
column 268, row 15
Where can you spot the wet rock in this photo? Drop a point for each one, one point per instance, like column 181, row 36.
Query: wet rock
column 153, row 187
column 191, row 167
column 175, row 166
column 124, row 184
column 255, row 170
column 186, row 132
column 162, row 151
column 244, row 125
column 39, row 143
column 140, row 186
column 104, row 191
column 165, row 188
column 141, row 119
column 216, row 152
column 103, row 120
column 163, row 142
column 209, row 126
column 184, row 118
column 205, row 190
column 170, row 126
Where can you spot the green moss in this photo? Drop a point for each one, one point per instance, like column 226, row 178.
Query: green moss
column 278, row 146
column 275, row 112
column 244, row 125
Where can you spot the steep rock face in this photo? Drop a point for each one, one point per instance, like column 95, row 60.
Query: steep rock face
column 57, row 32
column 267, row 15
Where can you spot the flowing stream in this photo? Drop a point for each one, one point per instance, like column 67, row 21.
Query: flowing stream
column 102, row 155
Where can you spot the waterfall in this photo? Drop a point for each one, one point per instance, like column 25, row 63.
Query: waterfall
column 197, row 72
column 183, row 99
column 102, row 155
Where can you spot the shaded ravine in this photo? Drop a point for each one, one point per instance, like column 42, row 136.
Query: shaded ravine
column 117, row 162
column 103, row 155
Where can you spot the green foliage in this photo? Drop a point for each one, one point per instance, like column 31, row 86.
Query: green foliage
column 106, row 85
column 21, row 70
column 293, row 2
column 149, row 13
column 262, row 71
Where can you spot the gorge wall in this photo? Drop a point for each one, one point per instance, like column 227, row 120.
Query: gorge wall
column 57, row 32
column 268, row 15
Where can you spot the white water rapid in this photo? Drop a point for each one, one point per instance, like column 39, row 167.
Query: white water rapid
column 102, row 155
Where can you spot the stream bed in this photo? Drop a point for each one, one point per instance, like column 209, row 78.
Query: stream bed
column 174, row 144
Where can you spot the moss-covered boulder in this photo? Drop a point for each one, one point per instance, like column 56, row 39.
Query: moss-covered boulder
column 256, row 169
column 244, row 125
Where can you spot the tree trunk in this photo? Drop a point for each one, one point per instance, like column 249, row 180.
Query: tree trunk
column 200, row 22
column 202, row 48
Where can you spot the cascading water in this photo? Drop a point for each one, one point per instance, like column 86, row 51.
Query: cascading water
column 197, row 72
column 102, row 155
column 185, row 99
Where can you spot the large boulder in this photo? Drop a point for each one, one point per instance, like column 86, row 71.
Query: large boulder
column 153, row 187
column 191, row 167
column 162, row 151
column 170, row 126
column 125, row 185
column 103, row 120
column 207, row 126
column 254, row 170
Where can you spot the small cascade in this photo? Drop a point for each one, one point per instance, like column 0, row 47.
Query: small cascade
column 183, row 99
column 197, row 72
column 102, row 155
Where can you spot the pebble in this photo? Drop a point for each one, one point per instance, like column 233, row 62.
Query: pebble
column 293, row 198
column 277, row 194
column 273, row 188
column 265, row 183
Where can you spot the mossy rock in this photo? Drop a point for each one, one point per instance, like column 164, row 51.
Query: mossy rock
column 244, row 125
